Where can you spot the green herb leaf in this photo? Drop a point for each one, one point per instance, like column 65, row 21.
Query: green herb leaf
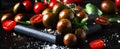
column 83, row 21
column 25, row 22
column 85, row 28
column 114, row 19
column 99, row 12
column 91, row 9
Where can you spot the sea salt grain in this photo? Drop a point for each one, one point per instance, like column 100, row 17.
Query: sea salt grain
column 117, row 36
column 118, row 21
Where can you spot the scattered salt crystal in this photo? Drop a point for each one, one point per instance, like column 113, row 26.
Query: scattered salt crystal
column 118, row 41
column 118, row 21
column 94, row 23
column 14, row 34
column 117, row 35
column 49, row 30
column 86, row 41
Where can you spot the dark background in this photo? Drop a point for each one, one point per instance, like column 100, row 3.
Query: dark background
column 12, row 40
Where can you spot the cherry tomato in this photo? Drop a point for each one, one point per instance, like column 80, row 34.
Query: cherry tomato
column 80, row 15
column 117, row 3
column 70, row 40
column 52, row 3
column 67, row 1
column 18, row 17
column 6, row 16
column 36, row 20
column 19, row 8
column 50, row 20
column 97, row 44
column 108, row 7
column 39, row 7
column 102, row 20
column 64, row 26
column 27, row 4
column 8, row 25
column 47, row 10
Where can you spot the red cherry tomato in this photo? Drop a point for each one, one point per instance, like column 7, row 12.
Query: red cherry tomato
column 97, row 44
column 39, row 7
column 102, row 20
column 67, row 1
column 36, row 20
column 52, row 3
column 8, row 25
column 27, row 4
column 117, row 3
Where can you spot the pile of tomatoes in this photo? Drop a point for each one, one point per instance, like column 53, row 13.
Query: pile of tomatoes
column 57, row 14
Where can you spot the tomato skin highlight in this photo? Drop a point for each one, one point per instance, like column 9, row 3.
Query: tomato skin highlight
column 8, row 25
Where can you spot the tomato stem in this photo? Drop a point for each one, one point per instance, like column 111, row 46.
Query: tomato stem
column 25, row 22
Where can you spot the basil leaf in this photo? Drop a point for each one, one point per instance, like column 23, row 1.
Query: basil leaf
column 114, row 19
column 85, row 28
column 83, row 21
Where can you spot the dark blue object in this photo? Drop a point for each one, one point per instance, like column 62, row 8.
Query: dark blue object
column 35, row 33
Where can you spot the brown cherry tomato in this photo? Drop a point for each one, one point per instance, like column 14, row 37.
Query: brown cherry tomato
column 70, row 40
column 6, row 16
column 107, row 6
column 64, row 26
column 66, row 14
column 81, row 15
column 80, row 33
column 50, row 20
column 57, row 8
column 19, row 8
column 78, row 9
column 47, row 10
